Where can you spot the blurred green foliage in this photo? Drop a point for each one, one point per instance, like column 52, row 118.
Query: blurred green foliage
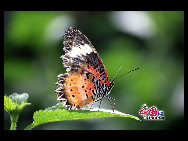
column 33, row 46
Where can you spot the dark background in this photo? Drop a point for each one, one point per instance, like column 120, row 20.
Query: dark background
column 150, row 40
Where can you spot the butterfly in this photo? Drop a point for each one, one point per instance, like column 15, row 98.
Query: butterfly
column 86, row 79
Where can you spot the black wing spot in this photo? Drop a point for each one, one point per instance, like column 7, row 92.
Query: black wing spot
column 87, row 95
column 87, row 75
column 78, row 106
column 93, row 58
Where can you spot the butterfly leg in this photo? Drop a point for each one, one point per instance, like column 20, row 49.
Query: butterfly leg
column 110, row 99
column 100, row 103
column 91, row 106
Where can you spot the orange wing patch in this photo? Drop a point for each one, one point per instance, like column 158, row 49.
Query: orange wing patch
column 78, row 88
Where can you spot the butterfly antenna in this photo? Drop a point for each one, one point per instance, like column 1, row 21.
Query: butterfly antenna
column 115, row 74
column 125, row 74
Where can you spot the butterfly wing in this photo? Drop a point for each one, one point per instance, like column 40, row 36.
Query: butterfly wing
column 77, row 88
column 80, row 53
column 85, row 71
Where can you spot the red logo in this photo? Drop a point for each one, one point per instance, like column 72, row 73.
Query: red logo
column 152, row 112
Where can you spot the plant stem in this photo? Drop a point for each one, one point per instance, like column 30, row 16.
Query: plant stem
column 14, row 119
column 29, row 127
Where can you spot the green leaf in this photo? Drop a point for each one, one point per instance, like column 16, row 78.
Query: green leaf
column 8, row 104
column 14, row 104
column 60, row 114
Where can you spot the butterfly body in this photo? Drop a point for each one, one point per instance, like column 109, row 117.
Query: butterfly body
column 86, row 80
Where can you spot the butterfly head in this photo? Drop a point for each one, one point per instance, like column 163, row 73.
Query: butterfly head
column 109, row 88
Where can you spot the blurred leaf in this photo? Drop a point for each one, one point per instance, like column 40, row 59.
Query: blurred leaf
column 167, row 22
column 24, row 70
column 27, row 27
column 125, row 56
